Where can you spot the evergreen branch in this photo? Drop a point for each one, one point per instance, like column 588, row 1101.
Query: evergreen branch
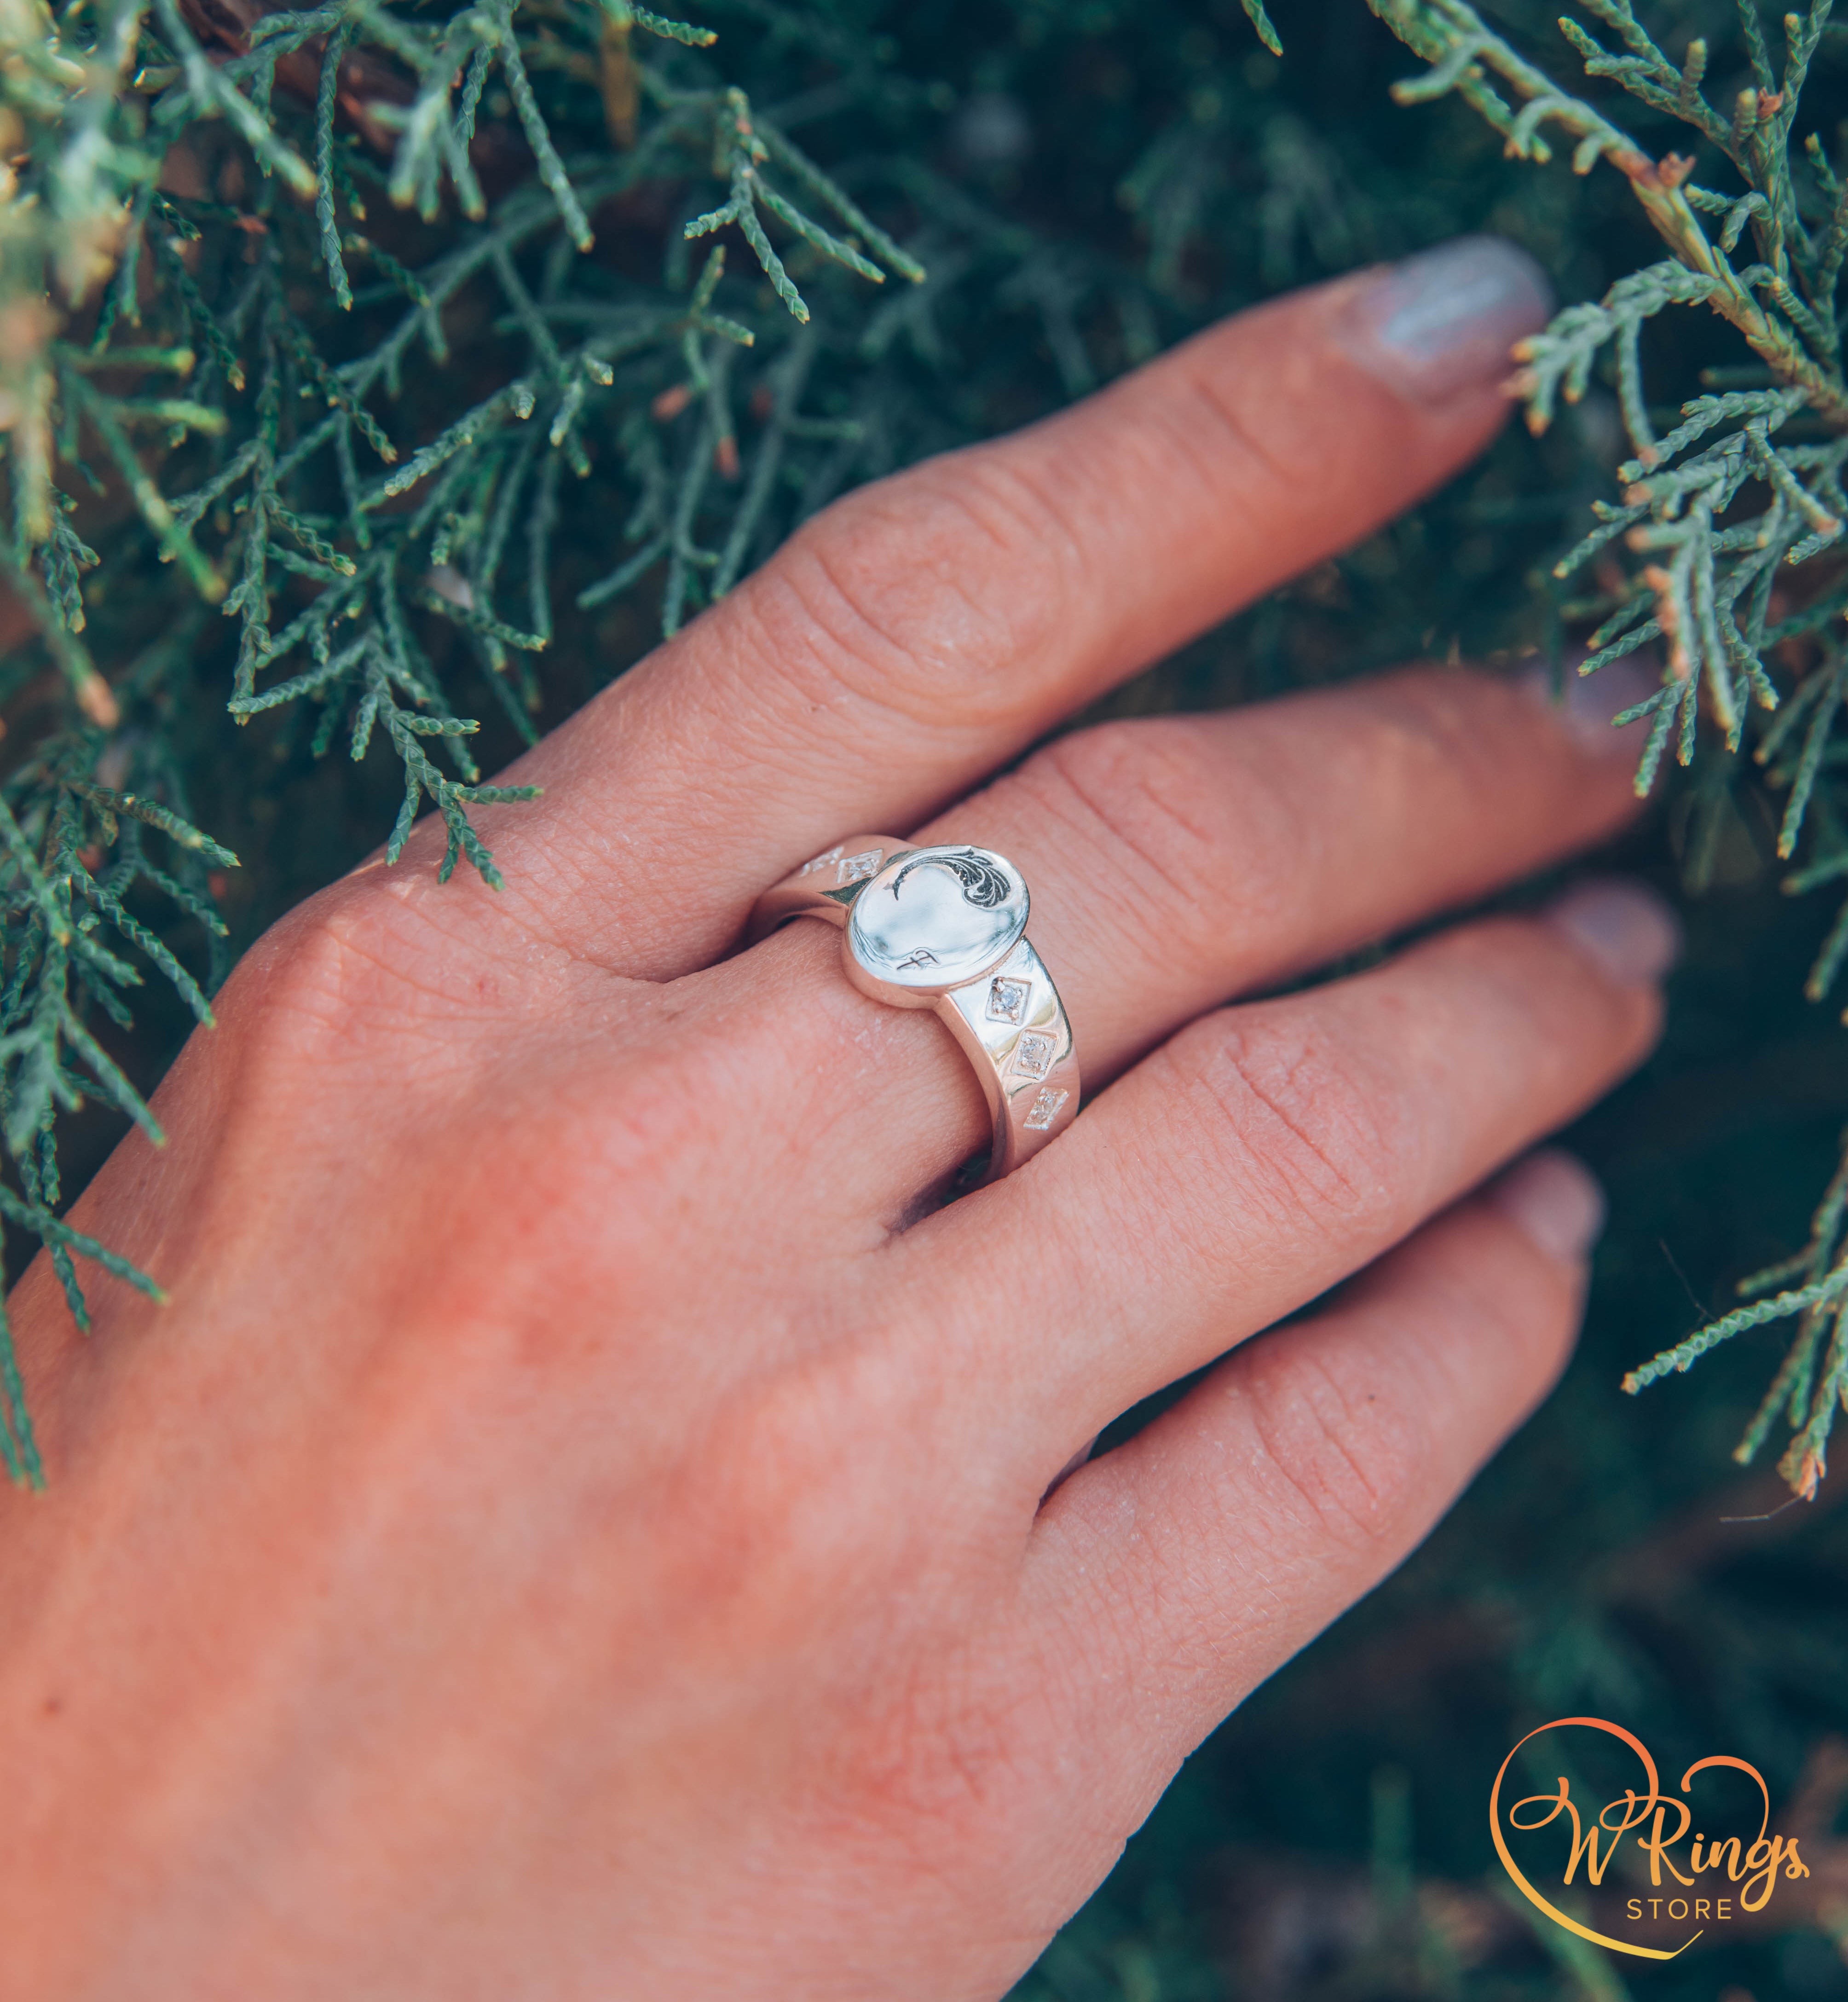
column 150, row 813
column 484, row 623
column 1260, row 21
column 138, row 934
column 337, row 44
column 174, row 540
column 1685, row 1355
column 1805, row 1461
column 785, row 152
column 212, row 93
column 684, row 32
column 551, row 169
column 515, row 400
column 1451, row 35
column 48, row 1230
column 743, row 147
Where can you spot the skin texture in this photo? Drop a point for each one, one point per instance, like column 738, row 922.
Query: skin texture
column 578, row 1531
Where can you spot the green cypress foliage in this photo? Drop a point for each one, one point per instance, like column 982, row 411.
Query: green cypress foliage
column 1714, row 514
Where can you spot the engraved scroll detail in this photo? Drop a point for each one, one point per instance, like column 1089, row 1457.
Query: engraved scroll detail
column 983, row 885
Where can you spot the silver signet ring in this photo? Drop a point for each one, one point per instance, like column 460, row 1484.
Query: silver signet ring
column 945, row 928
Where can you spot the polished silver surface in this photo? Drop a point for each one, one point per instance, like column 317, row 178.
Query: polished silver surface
column 944, row 927
column 932, row 919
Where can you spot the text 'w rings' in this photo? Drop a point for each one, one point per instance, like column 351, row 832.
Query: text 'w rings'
column 945, row 928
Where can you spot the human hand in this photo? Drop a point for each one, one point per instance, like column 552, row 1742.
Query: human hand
column 578, row 1531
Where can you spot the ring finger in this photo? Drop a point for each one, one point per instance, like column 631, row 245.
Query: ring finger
column 1176, row 862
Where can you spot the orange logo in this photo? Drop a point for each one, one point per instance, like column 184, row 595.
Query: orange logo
column 1703, row 1883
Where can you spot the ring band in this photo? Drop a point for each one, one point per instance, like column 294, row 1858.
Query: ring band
column 945, row 928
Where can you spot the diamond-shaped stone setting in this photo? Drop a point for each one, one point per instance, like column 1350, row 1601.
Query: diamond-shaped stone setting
column 1045, row 1110
column 858, row 868
column 1034, row 1054
column 1008, row 998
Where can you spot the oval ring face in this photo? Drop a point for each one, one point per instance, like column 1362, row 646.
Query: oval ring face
column 933, row 918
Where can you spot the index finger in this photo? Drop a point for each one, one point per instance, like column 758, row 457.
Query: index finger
column 924, row 630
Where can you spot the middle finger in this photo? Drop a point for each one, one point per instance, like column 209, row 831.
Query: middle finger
column 921, row 631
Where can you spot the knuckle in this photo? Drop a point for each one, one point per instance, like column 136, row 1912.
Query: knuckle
column 921, row 598
column 1152, row 803
column 1211, row 425
column 309, row 1008
column 1301, row 1124
column 370, row 959
column 310, row 982
column 1348, row 1458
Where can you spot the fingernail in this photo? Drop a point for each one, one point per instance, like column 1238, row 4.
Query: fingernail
column 1627, row 929
column 1443, row 321
column 1556, row 1199
column 1585, row 706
